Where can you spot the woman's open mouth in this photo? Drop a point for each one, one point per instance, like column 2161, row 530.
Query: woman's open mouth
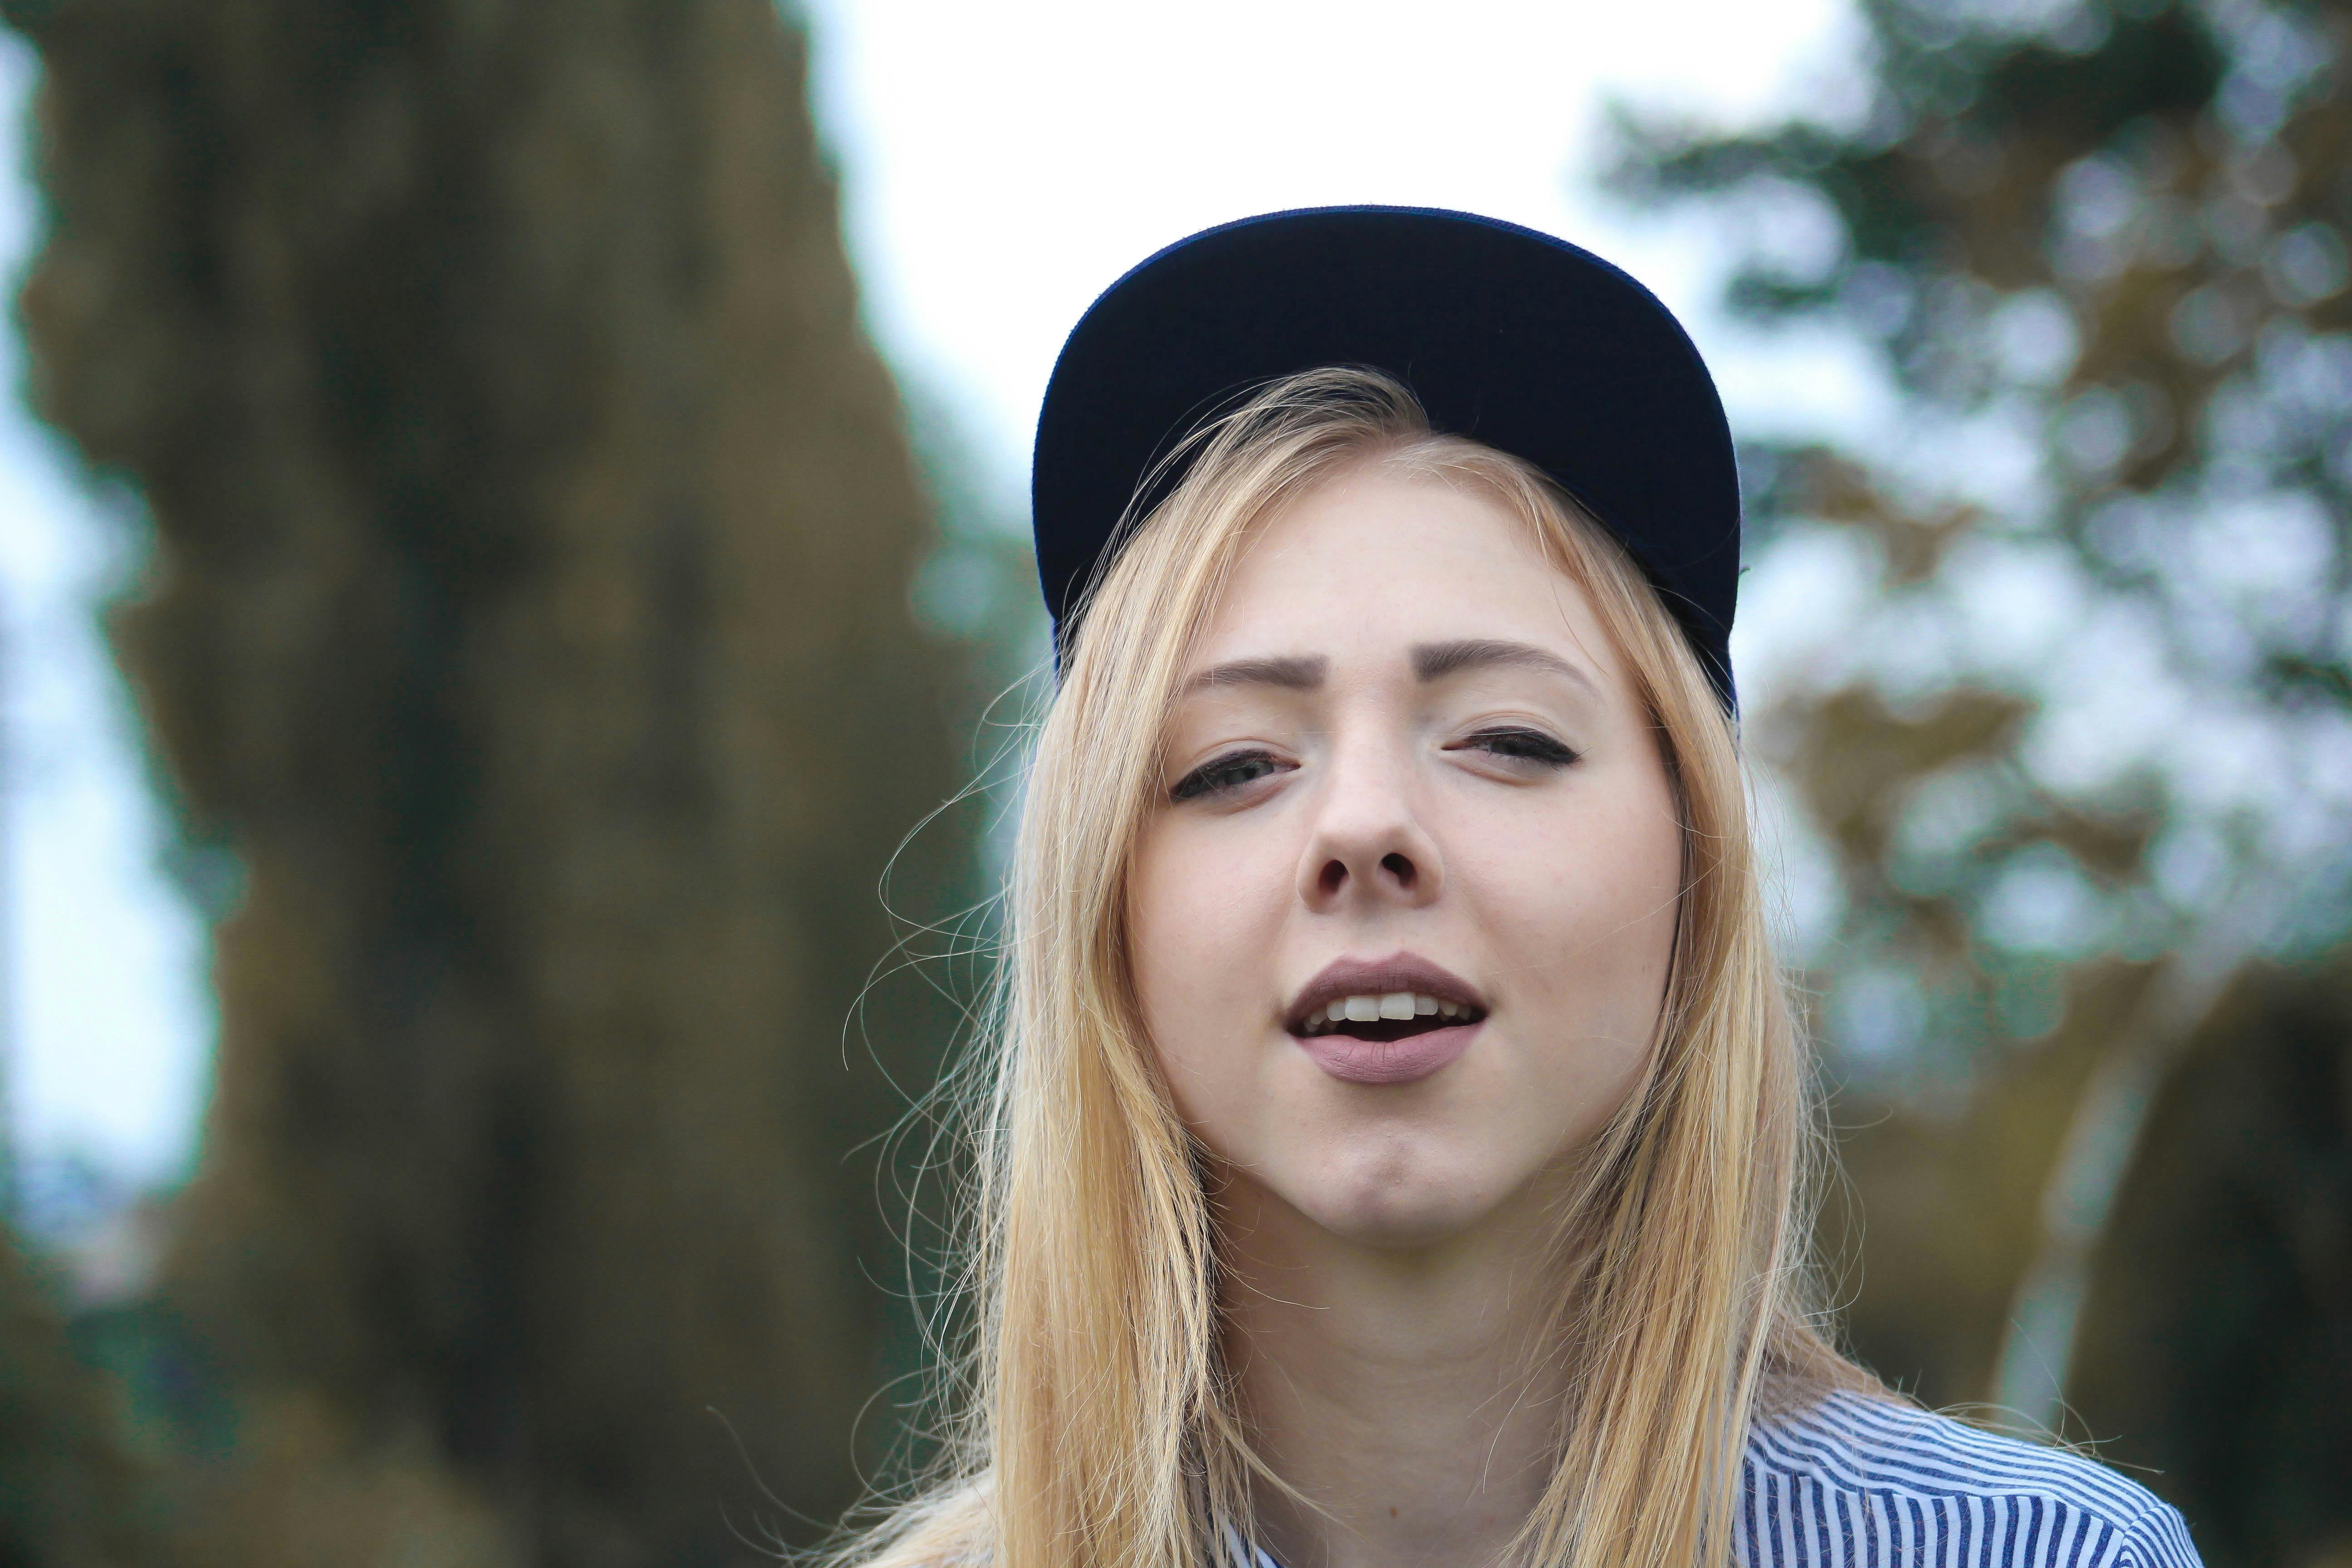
column 1385, row 1021
column 1392, row 1016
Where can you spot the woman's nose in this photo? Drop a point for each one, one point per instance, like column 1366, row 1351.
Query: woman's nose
column 1369, row 844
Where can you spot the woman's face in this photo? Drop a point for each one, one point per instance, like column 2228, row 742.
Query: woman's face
column 1407, row 775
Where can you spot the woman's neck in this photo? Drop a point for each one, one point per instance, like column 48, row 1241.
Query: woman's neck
column 1393, row 1387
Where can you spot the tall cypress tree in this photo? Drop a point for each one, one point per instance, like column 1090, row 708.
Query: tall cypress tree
column 526, row 619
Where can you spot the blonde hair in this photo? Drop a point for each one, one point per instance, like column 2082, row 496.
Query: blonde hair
column 1094, row 1425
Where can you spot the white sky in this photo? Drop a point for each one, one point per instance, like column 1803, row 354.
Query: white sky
column 102, row 999
column 1000, row 165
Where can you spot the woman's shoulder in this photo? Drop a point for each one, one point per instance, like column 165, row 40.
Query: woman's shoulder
column 1854, row 1478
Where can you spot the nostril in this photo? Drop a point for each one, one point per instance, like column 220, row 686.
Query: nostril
column 1400, row 868
column 1333, row 877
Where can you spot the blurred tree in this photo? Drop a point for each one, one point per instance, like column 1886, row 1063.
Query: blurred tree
column 71, row 1494
column 2223, row 1291
column 528, row 624
column 2075, row 713
column 1936, row 1219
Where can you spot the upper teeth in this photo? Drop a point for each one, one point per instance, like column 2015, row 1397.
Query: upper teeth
column 1365, row 1009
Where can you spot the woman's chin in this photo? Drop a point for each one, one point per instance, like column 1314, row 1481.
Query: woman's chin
column 1400, row 1214
column 1393, row 1187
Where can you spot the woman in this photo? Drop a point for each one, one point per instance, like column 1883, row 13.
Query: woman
column 1393, row 1132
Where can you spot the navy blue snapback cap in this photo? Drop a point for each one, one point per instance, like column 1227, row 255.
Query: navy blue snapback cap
column 1510, row 337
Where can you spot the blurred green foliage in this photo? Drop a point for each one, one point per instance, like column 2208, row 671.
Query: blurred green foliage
column 2101, row 243
column 73, row 1493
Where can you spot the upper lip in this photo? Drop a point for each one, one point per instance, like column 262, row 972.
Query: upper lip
column 1379, row 977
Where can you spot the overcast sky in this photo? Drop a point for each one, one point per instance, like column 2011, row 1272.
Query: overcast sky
column 1000, row 165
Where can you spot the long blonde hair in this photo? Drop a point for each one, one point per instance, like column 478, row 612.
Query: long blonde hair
column 1093, row 1424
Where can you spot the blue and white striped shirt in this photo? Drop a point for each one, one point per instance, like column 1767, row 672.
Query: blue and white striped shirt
column 1866, row 1483
column 1855, row 1482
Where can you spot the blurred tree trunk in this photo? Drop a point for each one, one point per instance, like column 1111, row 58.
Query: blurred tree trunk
column 1940, row 1213
column 528, row 613
column 2214, row 1352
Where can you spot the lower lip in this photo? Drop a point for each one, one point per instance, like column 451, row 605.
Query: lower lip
column 1409, row 1060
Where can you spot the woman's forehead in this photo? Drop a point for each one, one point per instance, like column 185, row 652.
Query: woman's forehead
column 1379, row 560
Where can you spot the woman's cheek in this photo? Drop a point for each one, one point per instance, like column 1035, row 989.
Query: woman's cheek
column 1580, row 908
column 1201, row 937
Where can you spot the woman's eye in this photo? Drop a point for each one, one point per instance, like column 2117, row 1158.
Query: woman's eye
column 1220, row 775
column 1519, row 745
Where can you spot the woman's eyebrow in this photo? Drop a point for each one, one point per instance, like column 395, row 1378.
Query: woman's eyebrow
column 1302, row 673
column 1436, row 660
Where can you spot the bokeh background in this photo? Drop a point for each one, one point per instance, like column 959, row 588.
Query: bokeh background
column 511, row 531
